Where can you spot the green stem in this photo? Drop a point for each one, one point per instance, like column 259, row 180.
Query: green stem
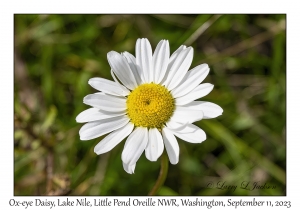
column 162, row 174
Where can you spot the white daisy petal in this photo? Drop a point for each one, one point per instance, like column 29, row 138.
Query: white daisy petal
column 134, row 68
column 171, row 145
column 106, row 102
column 93, row 114
column 108, row 86
column 175, row 54
column 179, row 127
column 175, row 126
column 171, row 61
column 155, row 146
column 186, row 115
column 180, row 67
column 114, row 138
column 191, row 80
column 198, row 92
column 143, row 52
column 122, row 69
column 161, row 60
column 197, row 136
column 98, row 128
column 135, row 145
column 114, row 77
column 210, row 110
column 129, row 168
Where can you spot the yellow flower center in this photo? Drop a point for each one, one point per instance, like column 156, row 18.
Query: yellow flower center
column 150, row 105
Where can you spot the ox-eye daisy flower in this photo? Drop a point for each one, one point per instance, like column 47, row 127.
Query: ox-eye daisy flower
column 150, row 101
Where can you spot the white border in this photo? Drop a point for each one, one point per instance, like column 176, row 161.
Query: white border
column 8, row 8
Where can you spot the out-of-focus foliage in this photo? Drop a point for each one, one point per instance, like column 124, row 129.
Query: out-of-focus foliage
column 55, row 55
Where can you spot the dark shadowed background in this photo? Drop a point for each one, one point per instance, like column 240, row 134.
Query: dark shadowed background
column 55, row 56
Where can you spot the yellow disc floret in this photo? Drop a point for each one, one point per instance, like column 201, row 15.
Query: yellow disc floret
column 150, row 105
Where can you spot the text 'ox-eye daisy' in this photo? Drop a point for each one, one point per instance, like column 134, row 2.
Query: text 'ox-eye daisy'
column 151, row 100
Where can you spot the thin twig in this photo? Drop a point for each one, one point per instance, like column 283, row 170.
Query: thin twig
column 248, row 43
column 101, row 170
column 201, row 29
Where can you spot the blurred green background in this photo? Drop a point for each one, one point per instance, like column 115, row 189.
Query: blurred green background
column 55, row 56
